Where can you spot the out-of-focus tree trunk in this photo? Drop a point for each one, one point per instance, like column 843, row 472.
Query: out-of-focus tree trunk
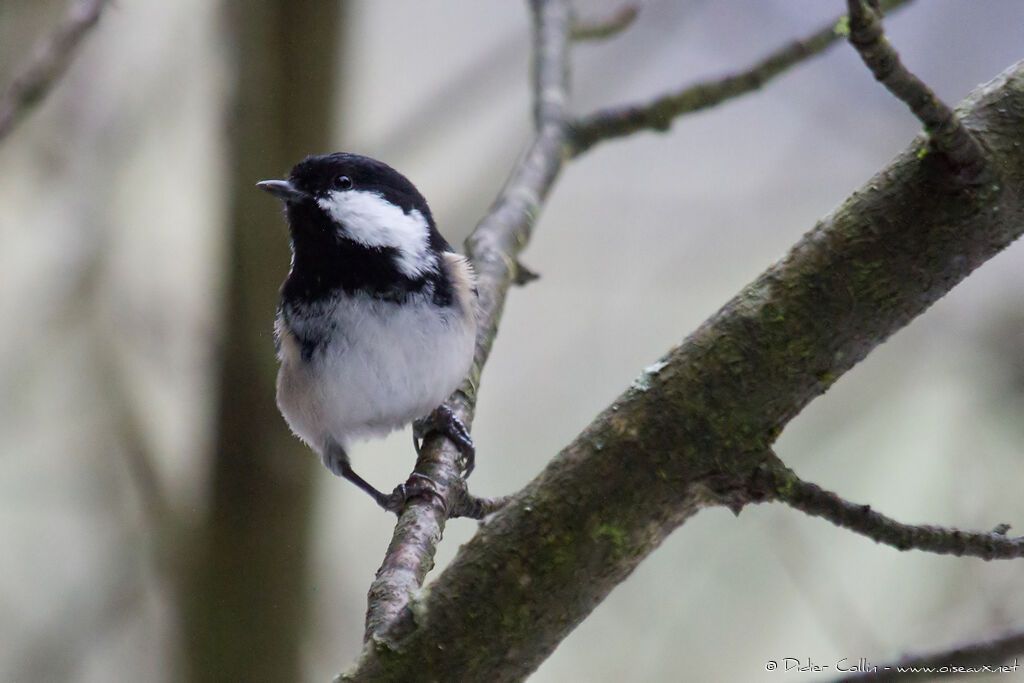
column 244, row 596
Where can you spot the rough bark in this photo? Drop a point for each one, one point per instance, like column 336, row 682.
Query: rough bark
column 694, row 427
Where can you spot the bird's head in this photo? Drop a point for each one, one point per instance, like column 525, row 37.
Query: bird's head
column 346, row 207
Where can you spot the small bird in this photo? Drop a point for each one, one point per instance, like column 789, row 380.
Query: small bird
column 377, row 318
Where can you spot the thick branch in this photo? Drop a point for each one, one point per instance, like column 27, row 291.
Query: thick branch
column 947, row 134
column 781, row 484
column 49, row 60
column 693, row 429
column 493, row 248
column 992, row 656
column 658, row 114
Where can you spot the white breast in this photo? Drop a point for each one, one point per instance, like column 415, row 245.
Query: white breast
column 385, row 365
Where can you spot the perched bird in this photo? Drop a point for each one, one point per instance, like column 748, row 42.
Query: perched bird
column 377, row 318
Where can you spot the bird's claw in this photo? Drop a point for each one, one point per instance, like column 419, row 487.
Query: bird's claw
column 445, row 422
column 417, row 485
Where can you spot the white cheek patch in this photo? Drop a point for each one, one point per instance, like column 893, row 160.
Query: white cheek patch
column 372, row 221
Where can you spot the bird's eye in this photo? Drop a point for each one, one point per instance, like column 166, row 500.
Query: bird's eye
column 343, row 182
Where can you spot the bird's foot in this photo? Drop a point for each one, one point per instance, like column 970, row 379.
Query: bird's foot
column 443, row 421
column 336, row 460
column 417, row 485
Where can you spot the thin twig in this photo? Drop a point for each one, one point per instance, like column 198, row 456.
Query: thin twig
column 947, row 134
column 990, row 656
column 49, row 60
column 659, row 113
column 780, row 483
column 493, row 248
column 410, row 554
column 474, row 507
column 606, row 27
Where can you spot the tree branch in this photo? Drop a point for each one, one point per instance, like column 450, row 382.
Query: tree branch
column 694, row 428
column 493, row 248
column 658, row 114
column 948, row 136
column 49, row 60
column 600, row 29
column 780, row 483
column 986, row 656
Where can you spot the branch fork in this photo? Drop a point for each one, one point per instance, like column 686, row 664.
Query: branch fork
column 691, row 433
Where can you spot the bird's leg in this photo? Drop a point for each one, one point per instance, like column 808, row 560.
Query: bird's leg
column 336, row 460
column 443, row 421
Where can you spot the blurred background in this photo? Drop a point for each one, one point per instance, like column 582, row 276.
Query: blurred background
column 160, row 524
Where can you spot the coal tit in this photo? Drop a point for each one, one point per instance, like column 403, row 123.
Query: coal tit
column 377, row 318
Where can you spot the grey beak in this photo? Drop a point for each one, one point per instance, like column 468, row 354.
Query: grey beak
column 283, row 190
